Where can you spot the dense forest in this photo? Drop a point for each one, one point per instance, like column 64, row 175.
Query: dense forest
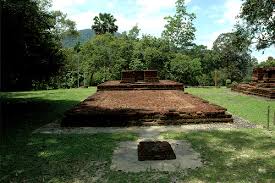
column 41, row 49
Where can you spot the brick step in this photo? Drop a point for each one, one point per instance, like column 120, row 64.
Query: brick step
column 120, row 120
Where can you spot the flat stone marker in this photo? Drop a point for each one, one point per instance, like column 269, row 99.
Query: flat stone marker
column 125, row 158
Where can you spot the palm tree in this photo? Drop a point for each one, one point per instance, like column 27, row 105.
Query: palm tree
column 104, row 23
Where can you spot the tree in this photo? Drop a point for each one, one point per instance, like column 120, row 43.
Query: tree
column 233, row 51
column 134, row 32
column 185, row 69
column 260, row 21
column 32, row 51
column 104, row 23
column 62, row 26
column 179, row 29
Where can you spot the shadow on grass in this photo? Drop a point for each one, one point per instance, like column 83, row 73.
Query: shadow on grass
column 60, row 158
column 232, row 156
column 20, row 116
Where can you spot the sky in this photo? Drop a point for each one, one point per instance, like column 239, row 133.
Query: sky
column 213, row 17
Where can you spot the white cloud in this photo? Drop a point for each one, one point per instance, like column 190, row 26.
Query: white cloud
column 84, row 20
column 263, row 55
column 65, row 4
column 209, row 39
column 232, row 9
column 151, row 6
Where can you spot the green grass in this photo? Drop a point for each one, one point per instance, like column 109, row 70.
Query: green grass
column 251, row 108
column 246, row 155
column 22, row 112
column 231, row 156
column 60, row 158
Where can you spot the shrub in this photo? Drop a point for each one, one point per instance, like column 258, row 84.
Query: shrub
column 234, row 83
column 228, row 83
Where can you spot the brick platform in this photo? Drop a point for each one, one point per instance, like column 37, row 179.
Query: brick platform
column 263, row 83
column 143, row 107
column 131, row 76
column 161, row 85
column 260, row 89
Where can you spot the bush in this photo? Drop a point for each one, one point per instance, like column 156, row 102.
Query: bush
column 234, row 83
column 101, row 76
column 137, row 64
column 185, row 69
column 228, row 83
column 205, row 80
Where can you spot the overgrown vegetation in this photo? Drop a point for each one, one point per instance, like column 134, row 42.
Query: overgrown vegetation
column 270, row 62
column 174, row 54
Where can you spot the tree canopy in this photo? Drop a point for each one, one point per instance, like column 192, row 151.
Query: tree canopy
column 258, row 16
column 104, row 23
column 179, row 29
column 32, row 48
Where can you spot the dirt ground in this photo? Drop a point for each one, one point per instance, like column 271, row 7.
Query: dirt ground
column 143, row 107
column 160, row 101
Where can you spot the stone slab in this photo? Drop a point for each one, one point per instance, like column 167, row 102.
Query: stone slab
column 125, row 158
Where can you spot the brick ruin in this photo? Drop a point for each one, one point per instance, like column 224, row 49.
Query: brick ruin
column 263, row 83
column 141, row 99
column 130, row 76
column 140, row 80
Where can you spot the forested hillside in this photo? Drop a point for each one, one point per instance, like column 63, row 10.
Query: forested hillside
column 84, row 36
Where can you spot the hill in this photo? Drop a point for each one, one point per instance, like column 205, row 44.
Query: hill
column 84, row 36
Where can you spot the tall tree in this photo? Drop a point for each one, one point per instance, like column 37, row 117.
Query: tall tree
column 233, row 49
column 31, row 50
column 260, row 21
column 179, row 29
column 134, row 32
column 104, row 23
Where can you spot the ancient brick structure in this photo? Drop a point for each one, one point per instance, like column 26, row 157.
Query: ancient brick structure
column 140, row 98
column 140, row 80
column 130, row 76
column 263, row 83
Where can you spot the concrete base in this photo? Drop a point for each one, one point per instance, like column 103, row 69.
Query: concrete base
column 125, row 158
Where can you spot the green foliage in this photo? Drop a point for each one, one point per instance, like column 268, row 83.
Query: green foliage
column 185, row 69
column 136, row 64
column 234, row 83
column 31, row 35
column 179, row 30
column 228, row 83
column 234, row 54
column 258, row 16
column 101, row 76
column 134, row 32
column 105, row 56
column 270, row 62
column 104, row 23
column 205, row 80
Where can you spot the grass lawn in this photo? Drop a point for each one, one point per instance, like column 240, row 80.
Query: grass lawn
column 22, row 112
column 252, row 108
column 232, row 156
column 246, row 155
